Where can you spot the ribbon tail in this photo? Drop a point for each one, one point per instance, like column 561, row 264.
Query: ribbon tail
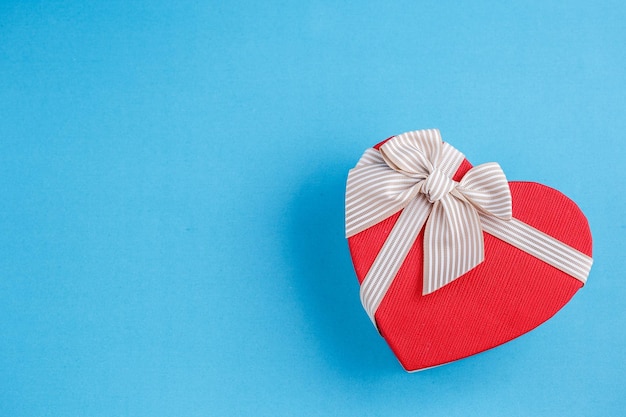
column 374, row 192
column 453, row 242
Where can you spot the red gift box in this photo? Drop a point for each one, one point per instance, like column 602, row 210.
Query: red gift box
column 530, row 265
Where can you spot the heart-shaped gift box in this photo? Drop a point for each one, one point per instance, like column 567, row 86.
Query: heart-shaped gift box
column 452, row 259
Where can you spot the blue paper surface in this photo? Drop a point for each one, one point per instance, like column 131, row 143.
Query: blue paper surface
column 171, row 200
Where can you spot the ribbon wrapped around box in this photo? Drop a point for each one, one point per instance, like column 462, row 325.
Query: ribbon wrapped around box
column 454, row 259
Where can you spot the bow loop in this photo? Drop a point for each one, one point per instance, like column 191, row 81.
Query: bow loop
column 412, row 156
column 487, row 188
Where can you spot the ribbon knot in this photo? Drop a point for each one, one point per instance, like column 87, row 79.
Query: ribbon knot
column 437, row 185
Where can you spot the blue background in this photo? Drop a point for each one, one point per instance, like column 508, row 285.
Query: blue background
column 171, row 215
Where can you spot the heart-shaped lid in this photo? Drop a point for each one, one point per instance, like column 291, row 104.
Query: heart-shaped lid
column 452, row 261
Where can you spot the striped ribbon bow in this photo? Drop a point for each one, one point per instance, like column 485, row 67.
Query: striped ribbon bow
column 413, row 172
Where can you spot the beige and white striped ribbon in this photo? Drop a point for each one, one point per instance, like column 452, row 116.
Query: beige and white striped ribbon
column 413, row 172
